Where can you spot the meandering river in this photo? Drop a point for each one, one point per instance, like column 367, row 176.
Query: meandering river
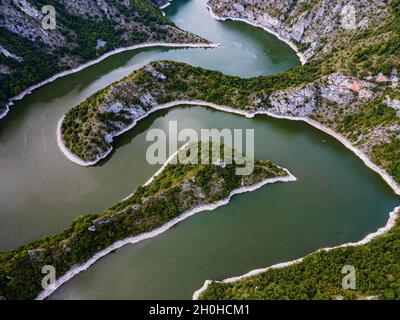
column 336, row 199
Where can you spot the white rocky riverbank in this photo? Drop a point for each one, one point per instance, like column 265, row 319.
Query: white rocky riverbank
column 268, row 26
column 132, row 240
column 312, row 26
column 389, row 180
column 393, row 216
column 6, row 108
column 314, row 123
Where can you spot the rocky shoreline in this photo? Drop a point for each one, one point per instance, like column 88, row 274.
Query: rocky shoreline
column 29, row 90
column 393, row 216
column 162, row 4
column 289, row 177
column 387, row 178
column 367, row 161
column 312, row 26
column 72, row 157
column 132, row 240
column 268, row 28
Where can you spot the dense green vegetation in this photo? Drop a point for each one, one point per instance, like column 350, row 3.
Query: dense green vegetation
column 27, row 71
column 377, row 266
column 320, row 275
column 143, row 22
column 376, row 114
column 147, row 209
column 368, row 51
column 85, row 126
column 359, row 54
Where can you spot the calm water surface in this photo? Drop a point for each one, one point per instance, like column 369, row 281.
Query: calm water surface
column 337, row 199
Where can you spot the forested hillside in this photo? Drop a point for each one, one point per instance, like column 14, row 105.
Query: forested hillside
column 84, row 31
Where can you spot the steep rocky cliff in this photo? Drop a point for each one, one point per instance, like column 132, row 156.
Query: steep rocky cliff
column 314, row 26
column 84, row 30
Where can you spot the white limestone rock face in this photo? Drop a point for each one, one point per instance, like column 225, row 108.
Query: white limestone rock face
column 305, row 101
column 114, row 108
column 394, row 79
column 83, row 7
column 309, row 24
column 4, row 70
column 154, row 72
column 28, row 9
column 147, row 100
column 24, row 19
column 298, row 102
column 343, row 90
column 8, row 54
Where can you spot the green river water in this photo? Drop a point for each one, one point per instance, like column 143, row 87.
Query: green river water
column 337, row 198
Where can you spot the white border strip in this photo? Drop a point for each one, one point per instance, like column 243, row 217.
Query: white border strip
column 166, row 163
column 74, row 158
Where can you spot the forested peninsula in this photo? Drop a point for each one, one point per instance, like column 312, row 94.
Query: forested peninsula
column 172, row 195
